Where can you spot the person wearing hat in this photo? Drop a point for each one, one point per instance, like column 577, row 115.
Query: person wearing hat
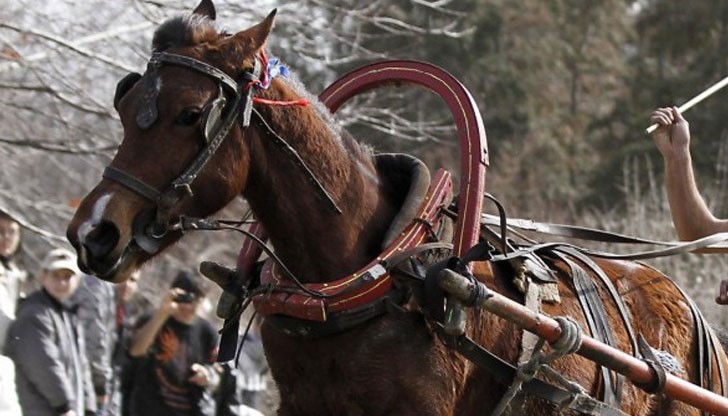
column 46, row 344
column 173, row 353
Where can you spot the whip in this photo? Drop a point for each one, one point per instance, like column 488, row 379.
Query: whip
column 695, row 100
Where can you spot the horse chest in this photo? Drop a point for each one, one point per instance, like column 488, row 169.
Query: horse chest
column 391, row 366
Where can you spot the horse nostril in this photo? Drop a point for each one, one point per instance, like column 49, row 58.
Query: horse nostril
column 101, row 240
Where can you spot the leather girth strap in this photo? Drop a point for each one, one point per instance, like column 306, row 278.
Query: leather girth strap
column 592, row 306
column 505, row 373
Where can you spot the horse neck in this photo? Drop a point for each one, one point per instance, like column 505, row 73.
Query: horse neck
column 314, row 241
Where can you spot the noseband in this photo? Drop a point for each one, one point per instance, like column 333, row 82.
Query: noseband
column 217, row 120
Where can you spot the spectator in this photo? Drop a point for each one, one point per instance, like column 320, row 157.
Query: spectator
column 96, row 310
column 9, row 403
column 125, row 292
column 46, row 344
column 102, row 307
column 11, row 277
column 173, row 353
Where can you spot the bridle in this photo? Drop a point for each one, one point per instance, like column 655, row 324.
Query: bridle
column 218, row 119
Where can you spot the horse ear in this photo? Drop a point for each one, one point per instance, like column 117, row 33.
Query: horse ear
column 259, row 33
column 205, row 8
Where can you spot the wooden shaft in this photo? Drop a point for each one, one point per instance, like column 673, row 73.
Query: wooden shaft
column 544, row 326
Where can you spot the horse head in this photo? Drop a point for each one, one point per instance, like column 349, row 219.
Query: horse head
column 195, row 93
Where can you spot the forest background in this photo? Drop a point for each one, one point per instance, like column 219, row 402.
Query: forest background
column 565, row 88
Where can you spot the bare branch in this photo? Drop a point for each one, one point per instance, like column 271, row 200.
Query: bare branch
column 69, row 45
column 6, row 66
column 34, row 88
column 57, row 148
column 24, row 221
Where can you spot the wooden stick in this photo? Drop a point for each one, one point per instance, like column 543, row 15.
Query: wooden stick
column 634, row 369
column 695, row 100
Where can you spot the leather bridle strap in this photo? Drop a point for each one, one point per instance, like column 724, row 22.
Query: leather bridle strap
column 140, row 187
column 159, row 58
column 181, row 186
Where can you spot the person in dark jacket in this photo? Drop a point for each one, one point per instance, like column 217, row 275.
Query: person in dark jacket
column 46, row 344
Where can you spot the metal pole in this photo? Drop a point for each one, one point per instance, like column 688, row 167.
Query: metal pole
column 698, row 98
column 546, row 327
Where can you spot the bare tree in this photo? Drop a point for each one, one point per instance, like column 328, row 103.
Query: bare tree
column 60, row 61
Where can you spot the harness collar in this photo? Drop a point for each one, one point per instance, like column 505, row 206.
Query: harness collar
column 360, row 295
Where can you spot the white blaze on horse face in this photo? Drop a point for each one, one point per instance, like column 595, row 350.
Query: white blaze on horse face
column 96, row 215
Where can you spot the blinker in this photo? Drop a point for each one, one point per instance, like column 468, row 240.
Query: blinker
column 148, row 111
column 124, row 85
column 213, row 115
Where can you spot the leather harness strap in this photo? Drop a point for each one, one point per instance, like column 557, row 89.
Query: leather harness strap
column 505, row 373
column 611, row 289
column 669, row 248
column 708, row 347
column 597, row 320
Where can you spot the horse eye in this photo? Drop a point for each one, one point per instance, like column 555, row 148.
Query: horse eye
column 188, row 117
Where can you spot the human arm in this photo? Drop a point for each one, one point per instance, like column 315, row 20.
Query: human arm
column 690, row 214
column 143, row 338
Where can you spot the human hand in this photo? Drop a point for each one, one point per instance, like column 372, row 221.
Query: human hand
column 168, row 305
column 200, row 375
column 69, row 413
column 673, row 136
column 722, row 298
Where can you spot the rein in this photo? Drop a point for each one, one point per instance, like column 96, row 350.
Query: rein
column 666, row 248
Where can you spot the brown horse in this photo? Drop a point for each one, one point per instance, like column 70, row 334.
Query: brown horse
column 326, row 204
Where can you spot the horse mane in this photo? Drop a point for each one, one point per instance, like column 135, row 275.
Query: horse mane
column 353, row 147
column 185, row 31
